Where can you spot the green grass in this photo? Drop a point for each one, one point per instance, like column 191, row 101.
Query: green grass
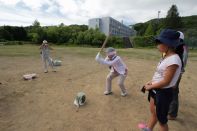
column 33, row 51
column 19, row 50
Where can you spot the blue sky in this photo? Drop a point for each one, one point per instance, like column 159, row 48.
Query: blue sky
column 54, row 12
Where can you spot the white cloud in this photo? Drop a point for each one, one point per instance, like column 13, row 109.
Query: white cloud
column 54, row 12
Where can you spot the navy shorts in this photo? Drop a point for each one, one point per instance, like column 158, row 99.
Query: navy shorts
column 162, row 100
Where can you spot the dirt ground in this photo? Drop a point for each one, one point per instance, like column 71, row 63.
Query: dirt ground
column 46, row 103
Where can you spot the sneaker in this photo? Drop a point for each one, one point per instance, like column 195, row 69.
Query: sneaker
column 143, row 127
column 171, row 117
column 107, row 93
column 45, row 71
column 123, row 94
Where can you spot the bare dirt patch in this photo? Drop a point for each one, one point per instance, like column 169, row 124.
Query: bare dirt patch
column 46, row 103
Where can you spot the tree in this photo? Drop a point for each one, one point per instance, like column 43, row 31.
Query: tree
column 173, row 20
column 61, row 25
column 37, row 33
column 141, row 28
column 36, row 23
column 52, row 34
column 5, row 34
column 19, row 33
column 150, row 30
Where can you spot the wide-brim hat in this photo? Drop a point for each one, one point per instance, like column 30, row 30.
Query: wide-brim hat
column 168, row 37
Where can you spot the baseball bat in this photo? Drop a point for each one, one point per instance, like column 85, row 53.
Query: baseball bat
column 105, row 42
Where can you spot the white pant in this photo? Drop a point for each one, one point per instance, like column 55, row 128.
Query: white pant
column 109, row 79
column 46, row 58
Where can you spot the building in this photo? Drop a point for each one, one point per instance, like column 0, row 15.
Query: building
column 108, row 25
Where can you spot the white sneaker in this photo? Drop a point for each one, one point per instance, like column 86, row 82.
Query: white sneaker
column 123, row 94
column 107, row 93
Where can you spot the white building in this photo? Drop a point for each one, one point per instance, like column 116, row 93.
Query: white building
column 109, row 25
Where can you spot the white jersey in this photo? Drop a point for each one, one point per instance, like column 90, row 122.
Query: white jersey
column 45, row 50
column 162, row 66
column 117, row 64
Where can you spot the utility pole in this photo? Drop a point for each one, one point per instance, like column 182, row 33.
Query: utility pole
column 157, row 22
column 158, row 14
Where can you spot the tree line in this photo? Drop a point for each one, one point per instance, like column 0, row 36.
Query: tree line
column 78, row 35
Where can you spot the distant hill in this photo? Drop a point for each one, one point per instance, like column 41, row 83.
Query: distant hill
column 189, row 28
column 189, row 22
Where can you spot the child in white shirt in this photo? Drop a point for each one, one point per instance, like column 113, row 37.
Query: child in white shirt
column 45, row 54
column 117, row 69
column 164, row 79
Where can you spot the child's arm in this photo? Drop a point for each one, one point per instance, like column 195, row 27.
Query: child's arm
column 106, row 58
column 97, row 57
column 103, row 61
column 169, row 74
column 143, row 89
column 41, row 46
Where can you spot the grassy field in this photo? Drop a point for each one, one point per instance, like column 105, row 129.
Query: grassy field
column 46, row 103
column 33, row 50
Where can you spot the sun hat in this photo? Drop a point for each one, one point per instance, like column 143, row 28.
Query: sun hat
column 181, row 35
column 168, row 37
column 110, row 51
column 44, row 41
